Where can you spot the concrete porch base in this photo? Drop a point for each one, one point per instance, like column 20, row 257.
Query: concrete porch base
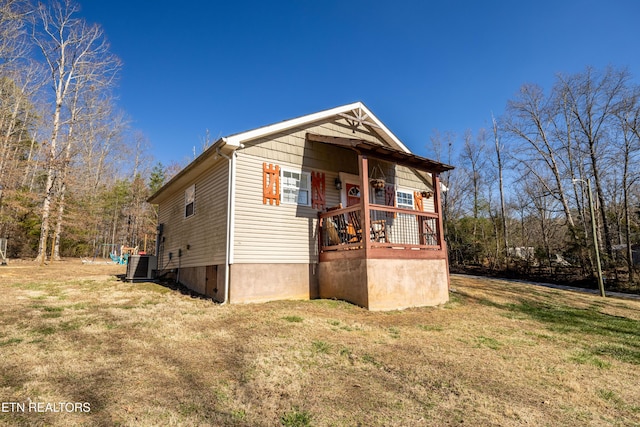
column 385, row 284
column 376, row 284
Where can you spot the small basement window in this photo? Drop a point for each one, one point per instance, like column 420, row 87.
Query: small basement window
column 296, row 187
column 189, row 201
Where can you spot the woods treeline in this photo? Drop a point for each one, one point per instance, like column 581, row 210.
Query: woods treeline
column 74, row 176
column 519, row 198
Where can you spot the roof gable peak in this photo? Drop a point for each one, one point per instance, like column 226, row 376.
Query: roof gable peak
column 356, row 114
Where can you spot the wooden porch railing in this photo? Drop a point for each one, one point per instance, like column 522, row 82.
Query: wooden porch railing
column 393, row 233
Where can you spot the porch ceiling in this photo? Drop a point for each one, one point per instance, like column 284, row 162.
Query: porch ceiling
column 382, row 152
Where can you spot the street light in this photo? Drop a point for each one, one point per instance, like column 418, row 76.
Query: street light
column 595, row 235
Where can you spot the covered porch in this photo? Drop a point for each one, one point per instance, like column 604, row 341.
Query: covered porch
column 378, row 256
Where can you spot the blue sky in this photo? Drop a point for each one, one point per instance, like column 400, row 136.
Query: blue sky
column 231, row 66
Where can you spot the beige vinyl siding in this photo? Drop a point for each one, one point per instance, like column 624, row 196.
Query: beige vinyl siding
column 271, row 233
column 288, row 233
column 403, row 178
column 292, row 147
column 205, row 231
column 408, row 179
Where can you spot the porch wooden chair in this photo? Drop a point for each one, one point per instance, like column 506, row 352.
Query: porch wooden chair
column 332, row 232
column 354, row 230
column 337, row 227
column 379, row 231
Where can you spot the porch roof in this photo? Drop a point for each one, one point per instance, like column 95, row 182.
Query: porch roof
column 378, row 151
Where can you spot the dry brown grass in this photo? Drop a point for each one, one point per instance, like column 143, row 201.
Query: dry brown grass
column 498, row 353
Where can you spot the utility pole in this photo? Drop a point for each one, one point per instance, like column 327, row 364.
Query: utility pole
column 595, row 235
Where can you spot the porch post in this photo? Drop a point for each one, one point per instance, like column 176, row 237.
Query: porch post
column 438, row 209
column 365, row 220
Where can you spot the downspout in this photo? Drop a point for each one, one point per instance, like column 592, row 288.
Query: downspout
column 230, row 220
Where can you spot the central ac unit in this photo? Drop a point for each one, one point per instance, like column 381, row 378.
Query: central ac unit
column 141, row 267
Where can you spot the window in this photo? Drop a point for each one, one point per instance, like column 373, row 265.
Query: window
column 296, row 186
column 404, row 199
column 189, row 201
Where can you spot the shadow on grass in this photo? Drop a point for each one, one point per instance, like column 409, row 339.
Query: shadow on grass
column 166, row 284
column 604, row 334
column 616, row 337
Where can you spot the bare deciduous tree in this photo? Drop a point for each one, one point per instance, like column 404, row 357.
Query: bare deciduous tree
column 78, row 59
column 530, row 117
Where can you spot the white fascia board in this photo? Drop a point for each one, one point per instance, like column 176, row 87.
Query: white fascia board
column 384, row 129
column 236, row 140
column 239, row 138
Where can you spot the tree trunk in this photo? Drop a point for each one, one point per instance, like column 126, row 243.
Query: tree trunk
column 505, row 233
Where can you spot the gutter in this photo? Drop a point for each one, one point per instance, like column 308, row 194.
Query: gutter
column 231, row 196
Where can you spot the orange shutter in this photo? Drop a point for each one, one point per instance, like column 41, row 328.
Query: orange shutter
column 270, row 184
column 318, row 190
column 417, row 201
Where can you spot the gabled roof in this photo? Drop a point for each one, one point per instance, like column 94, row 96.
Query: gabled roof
column 355, row 114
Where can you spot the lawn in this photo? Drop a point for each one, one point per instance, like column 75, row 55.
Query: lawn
column 80, row 347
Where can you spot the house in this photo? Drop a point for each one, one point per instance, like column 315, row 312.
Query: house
column 289, row 211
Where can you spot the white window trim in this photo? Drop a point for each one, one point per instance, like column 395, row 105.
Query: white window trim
column 307, row 177
column 192, row 189
column 409, row 192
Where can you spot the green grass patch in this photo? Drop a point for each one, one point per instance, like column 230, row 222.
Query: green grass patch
column 296, row 418
column 238, row 415
column 367, row 358
column 150, row 287
column 344, row 351
column 338, row 324
column 428, row 328
column 321, row 347
column 610, row 396
column 394, row 332
column 619, row 352
column 489, row 342
column 293, row 319
column 334, row 303
column 45, row 330
column 70, row 325
column 618, row 337
column 10, row 341
column 51, row 315
column 455, row 300
column 566, row 319
column 588, row 358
